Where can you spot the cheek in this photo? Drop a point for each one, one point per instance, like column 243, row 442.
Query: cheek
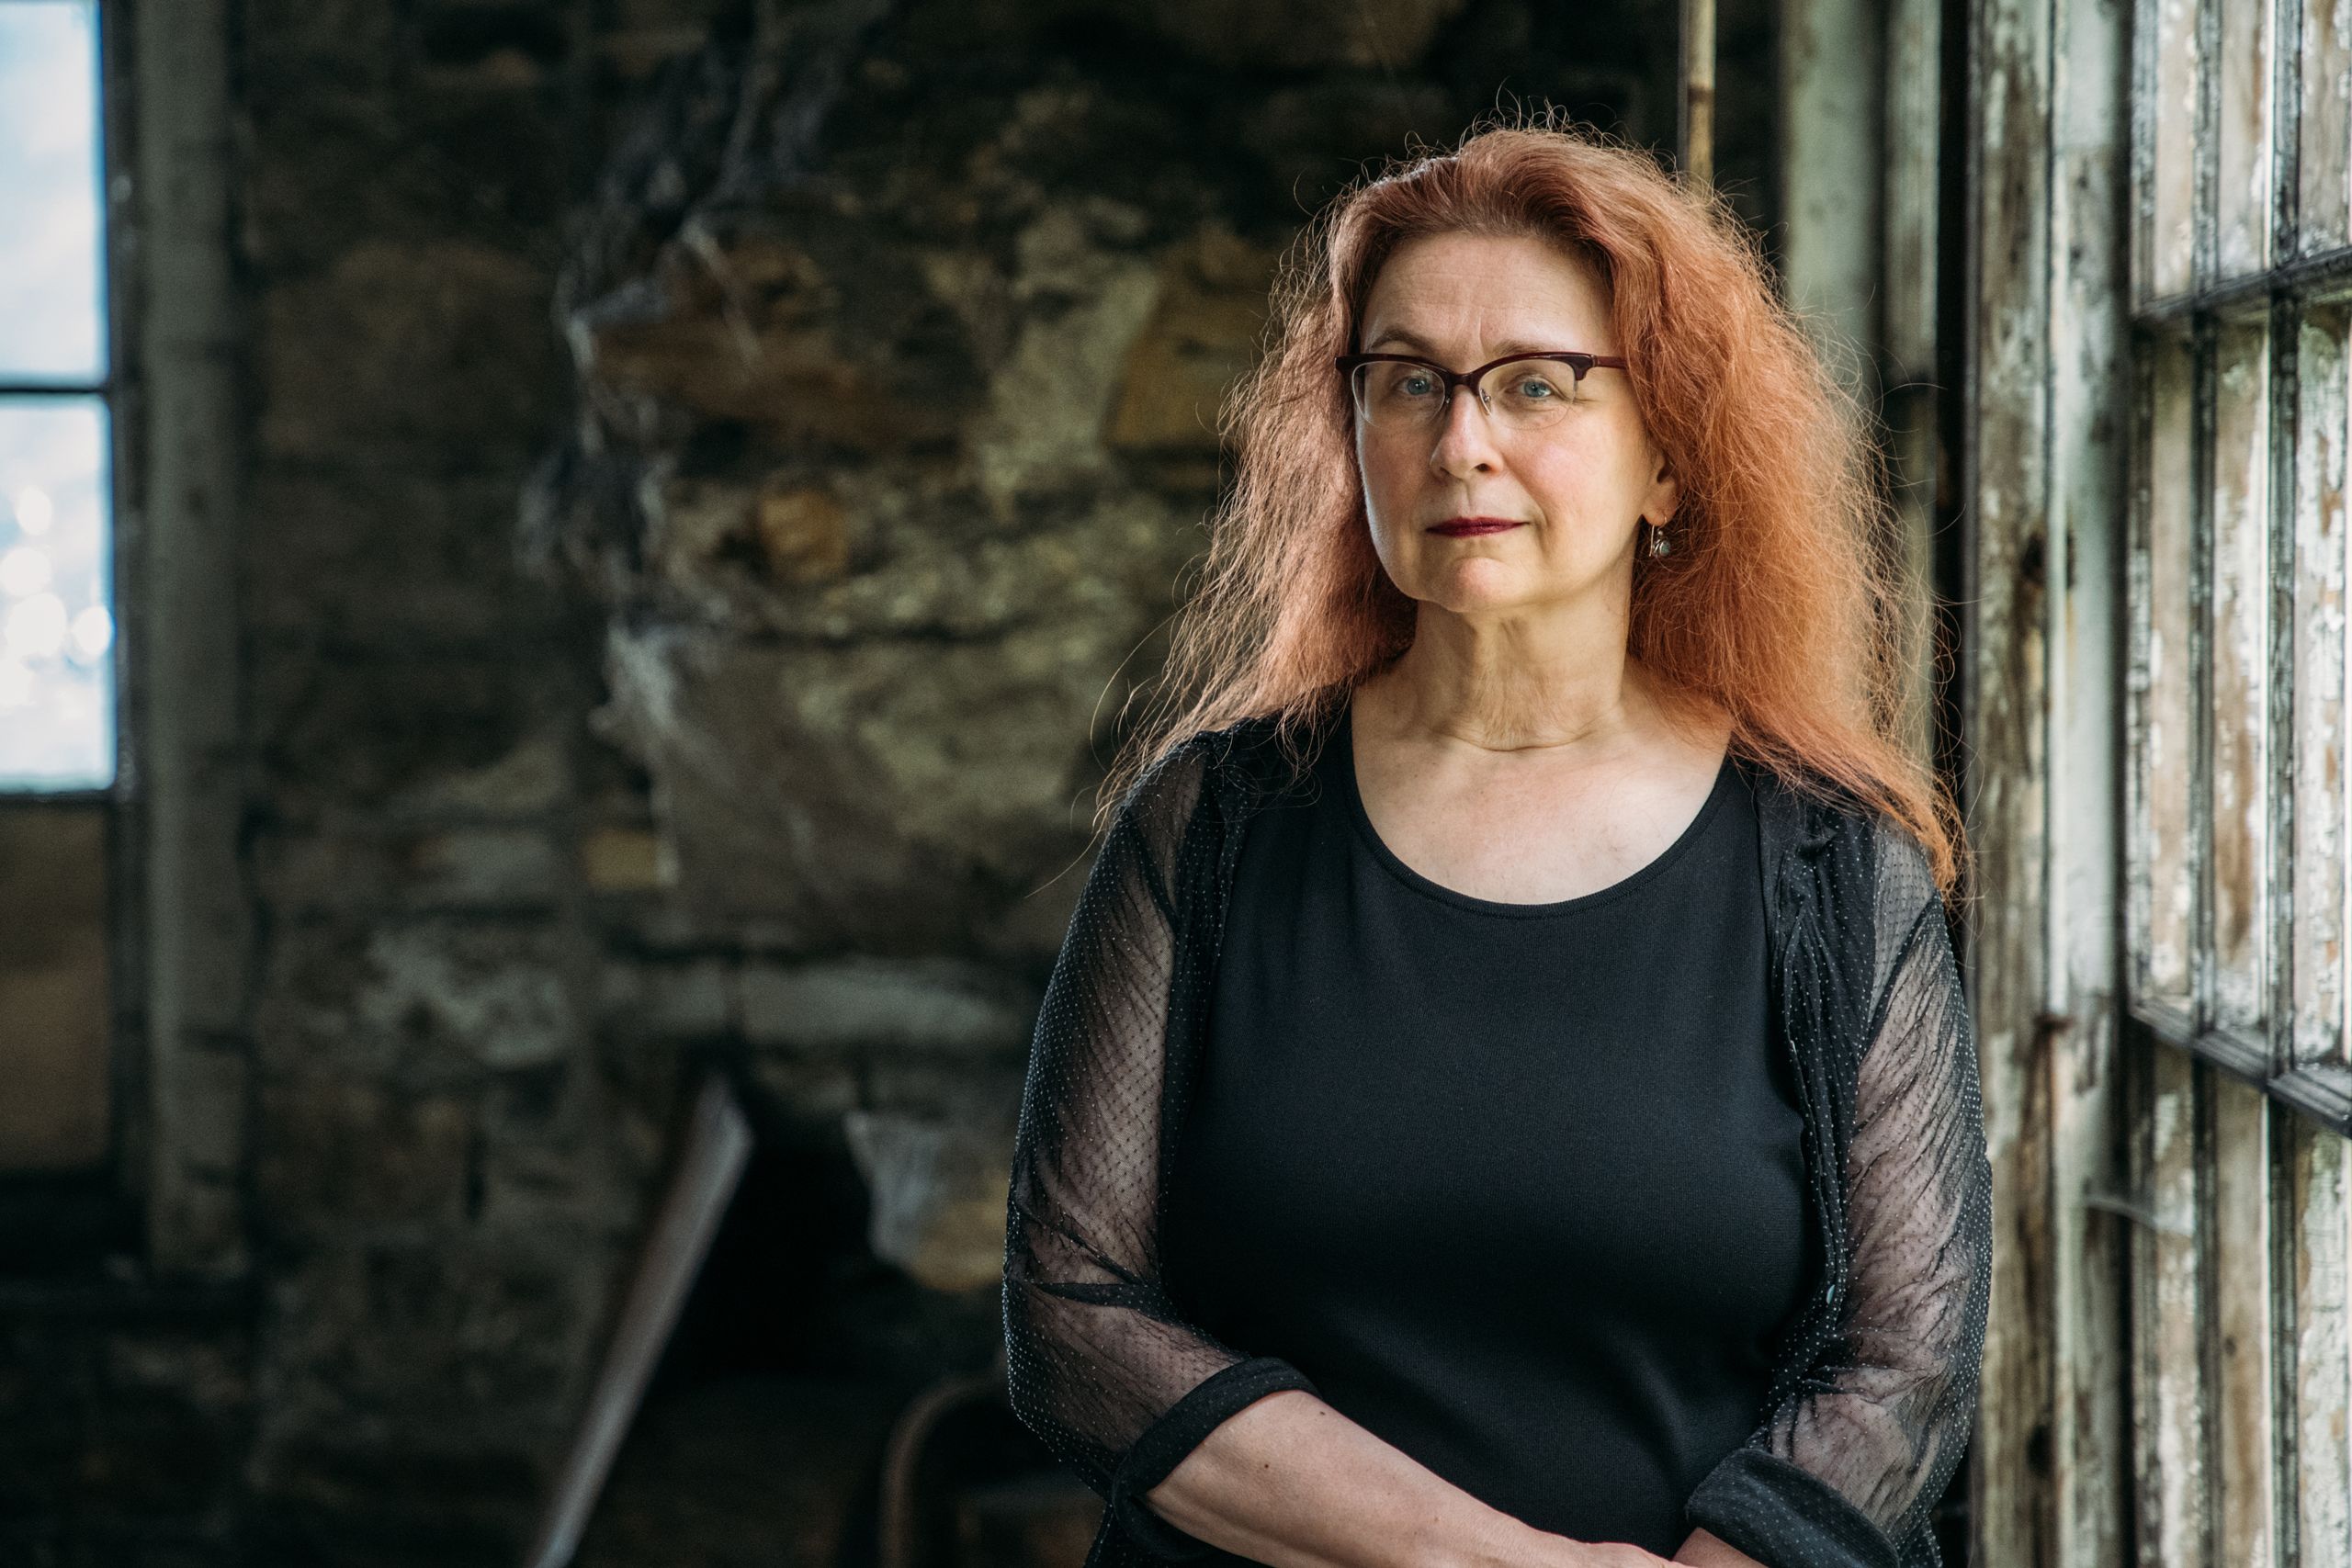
column 1390, row 484
column 1589, row 480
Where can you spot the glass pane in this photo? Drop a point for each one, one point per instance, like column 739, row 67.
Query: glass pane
column 2240, row 655
column 2240, row 1293
column 52, row 321
column 2160, row 887
column 2244, row 192
column 2325, row 125
column 2322, row 844
column 56, row 622
column 2169, row 1392
column 53, row 1049
column 2171, row 124
column 2318, row 1163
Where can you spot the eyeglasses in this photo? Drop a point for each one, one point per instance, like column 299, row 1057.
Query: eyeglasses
column 1520, row 391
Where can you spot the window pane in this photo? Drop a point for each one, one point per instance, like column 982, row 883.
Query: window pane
column 56, row 626
column 2240, row 655
column 2171, row 122
column 2243, row 194
column 2317, row 1166
column 51, row 277
column 53, row 1051
column 2322, row 844
column 2240, row 1293
column 2160, row 889
column 2169, row 1394
column 2325, row 125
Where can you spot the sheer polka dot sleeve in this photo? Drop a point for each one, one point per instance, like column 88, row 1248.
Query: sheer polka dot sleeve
column 1873, row 1404
column 1101, row 1364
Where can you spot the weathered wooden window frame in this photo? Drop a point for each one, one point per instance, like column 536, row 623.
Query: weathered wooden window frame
column 48, row 1216
column 108, row 388
column 2303, row 286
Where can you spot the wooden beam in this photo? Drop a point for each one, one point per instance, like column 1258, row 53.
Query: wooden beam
column 717, row 1148
column 2006, row 709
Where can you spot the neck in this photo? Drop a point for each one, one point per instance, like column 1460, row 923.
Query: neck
column 1518, row 682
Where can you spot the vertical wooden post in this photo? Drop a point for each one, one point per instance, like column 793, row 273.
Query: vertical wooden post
column 2045, row 486
column 1696, row 132
column 1833, row 159
column 184, row 715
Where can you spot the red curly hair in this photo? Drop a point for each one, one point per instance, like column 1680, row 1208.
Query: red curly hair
column 1783, row 603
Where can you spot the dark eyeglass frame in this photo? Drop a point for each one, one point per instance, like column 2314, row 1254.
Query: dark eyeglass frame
column 1581, row 363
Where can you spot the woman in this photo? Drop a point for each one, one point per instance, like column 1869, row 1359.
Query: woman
column 1506, row 1094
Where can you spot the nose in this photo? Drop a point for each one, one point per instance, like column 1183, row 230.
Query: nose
column 1464, row 442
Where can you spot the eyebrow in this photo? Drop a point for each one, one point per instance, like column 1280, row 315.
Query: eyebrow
column 1422, row 346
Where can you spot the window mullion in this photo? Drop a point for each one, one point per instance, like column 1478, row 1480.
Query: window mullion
column 2203, row 375
column 2279, row 753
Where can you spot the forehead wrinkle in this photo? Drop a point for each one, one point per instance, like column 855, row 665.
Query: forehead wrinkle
column 1419, row 345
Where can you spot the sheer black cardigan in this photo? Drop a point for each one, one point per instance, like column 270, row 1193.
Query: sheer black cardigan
column 1873, row 1391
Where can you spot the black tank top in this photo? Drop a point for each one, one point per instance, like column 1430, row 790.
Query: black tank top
column 1517, row 1186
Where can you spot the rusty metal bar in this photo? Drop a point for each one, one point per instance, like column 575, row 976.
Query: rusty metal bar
column 2205, row 213
column 2280, row 1134
column 2203, row 1150
column 2324, row 277
column 1696, row 125
column 2285, row 335
column 2203, row 376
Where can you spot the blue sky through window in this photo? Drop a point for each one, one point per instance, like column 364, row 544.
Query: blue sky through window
column 56, row 621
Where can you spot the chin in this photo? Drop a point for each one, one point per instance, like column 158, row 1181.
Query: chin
column 1481, row 583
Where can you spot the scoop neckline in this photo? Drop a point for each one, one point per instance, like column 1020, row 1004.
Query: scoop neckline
column 1413, row 880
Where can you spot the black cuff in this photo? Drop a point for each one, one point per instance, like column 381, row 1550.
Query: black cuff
column 1177, row 1432
column 1785, row 1517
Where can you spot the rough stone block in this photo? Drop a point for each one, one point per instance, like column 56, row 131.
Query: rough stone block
column 811, row 1093
column 425, row 1003
column 417, row 732
column 907, row 1004
column 421, row 869
column 529, row 780
column 626, row 860
column 696, row 997
column 422, row 1345
column 803, row 533
column 877, row 792
column 388, row 556
column 938, row 1193
column 1252, row 35
column 435, row 353
column 505, row 1001
column 1200, row 338
column 154, row 1458
column 208, row 1369
column 343, row 36
column 341, row 1159
column 353, row 1498
column 749, row 327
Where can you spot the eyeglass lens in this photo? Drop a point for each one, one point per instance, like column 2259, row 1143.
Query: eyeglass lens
column 1525, row 394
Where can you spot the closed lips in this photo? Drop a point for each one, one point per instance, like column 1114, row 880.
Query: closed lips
column 1457, row 525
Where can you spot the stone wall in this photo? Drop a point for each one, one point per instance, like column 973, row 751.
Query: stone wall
column 712, row 469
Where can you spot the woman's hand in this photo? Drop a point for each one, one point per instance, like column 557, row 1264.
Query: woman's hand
column 1701, row 1551
column 1616, row 1554
column 1707, row 1551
